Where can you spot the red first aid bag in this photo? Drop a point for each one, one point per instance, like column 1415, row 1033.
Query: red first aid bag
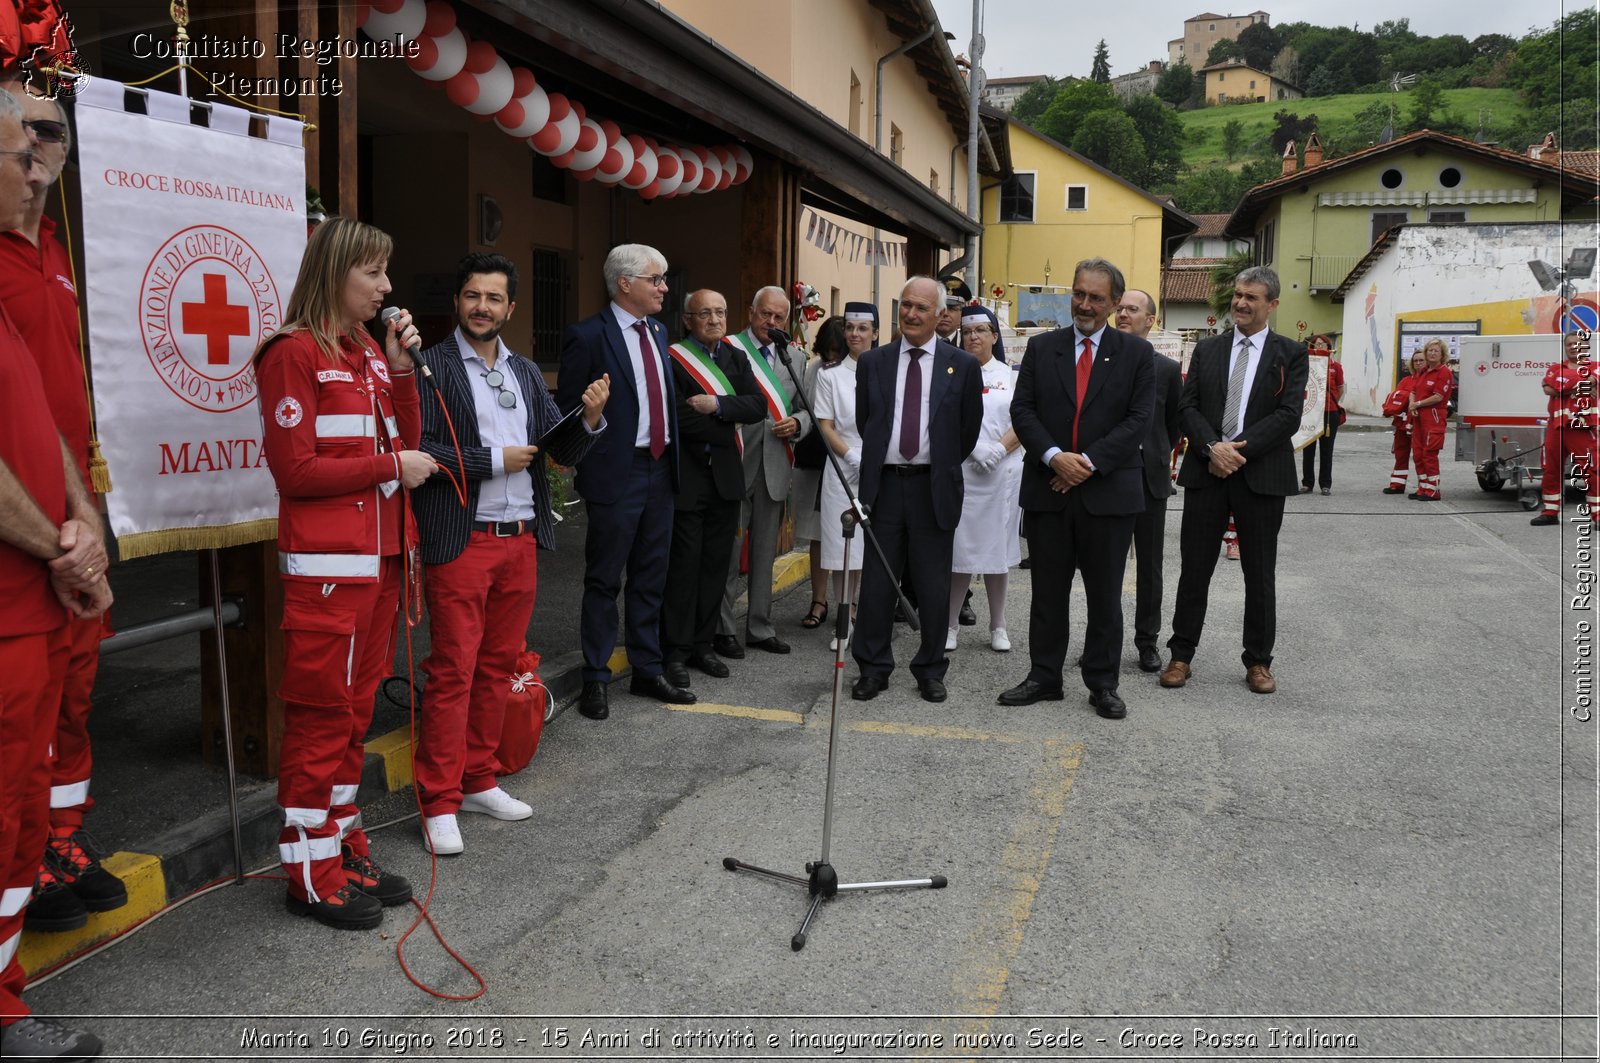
column 524, row 722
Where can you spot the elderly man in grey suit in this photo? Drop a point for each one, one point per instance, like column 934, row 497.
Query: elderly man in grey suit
column 768, row 466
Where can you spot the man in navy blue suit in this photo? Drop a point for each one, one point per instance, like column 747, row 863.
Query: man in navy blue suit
column 628, row 479
column 919, row 406
column 1083, row 402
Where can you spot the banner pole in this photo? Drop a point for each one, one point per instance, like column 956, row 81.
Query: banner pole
column 227, row 715
column 180, row 16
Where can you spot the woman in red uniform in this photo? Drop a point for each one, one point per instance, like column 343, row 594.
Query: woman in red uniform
column 341, row 423
column 1429, row 408
column 1398, row 407
column 1570, row 431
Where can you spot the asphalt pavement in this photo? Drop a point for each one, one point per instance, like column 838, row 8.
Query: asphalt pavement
column 1392, row 857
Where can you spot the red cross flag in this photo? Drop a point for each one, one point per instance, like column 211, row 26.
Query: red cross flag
column 192, row 236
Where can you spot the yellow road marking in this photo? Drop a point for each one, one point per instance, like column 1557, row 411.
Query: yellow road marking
column 744, row 712
column 919, row 730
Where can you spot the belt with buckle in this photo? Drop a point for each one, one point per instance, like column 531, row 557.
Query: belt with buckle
column 908, row 470
column 503, row 529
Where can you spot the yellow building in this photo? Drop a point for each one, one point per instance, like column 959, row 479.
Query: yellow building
column 1057, row 207
column 1234, row 82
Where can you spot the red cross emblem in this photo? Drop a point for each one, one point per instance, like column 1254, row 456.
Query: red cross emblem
column 216, row 319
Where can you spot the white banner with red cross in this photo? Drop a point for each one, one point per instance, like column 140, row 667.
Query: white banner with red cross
column 192, row 237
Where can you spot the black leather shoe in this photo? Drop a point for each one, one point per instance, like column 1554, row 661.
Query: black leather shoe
column 932, row 690
column 967, row 618
column 1027, row 692
column 1544, row 520
column 727, row 646
column 1149, row 659
column 677, row 674
column 593, row 702
column 772, row 644
column 1327, row 490
column 658, row 688
column 866, row 688
column 707, row 663
column 1394, row 490
column 1108, row 704
column 1305, row 489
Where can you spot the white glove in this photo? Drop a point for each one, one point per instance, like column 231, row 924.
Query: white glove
column 989, row 455
column 852, row 458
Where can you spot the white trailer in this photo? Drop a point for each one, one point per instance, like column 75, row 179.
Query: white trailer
column 1503, row 410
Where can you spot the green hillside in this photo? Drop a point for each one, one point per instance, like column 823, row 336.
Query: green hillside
column 1335, row 114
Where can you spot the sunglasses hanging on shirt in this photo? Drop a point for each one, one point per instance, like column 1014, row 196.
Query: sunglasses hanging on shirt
column 497, row 380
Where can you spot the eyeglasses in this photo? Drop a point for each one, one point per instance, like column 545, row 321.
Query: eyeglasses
column 497, row 380
column 1129, row 308
column 47, row 131
column 654, row 279
column 25, row 156
column 709, row 315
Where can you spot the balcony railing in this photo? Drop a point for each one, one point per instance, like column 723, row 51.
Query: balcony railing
column 1328, row 270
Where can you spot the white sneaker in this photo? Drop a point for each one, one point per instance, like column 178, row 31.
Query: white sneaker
column 441, row 834
column 950, row 639
column 496, row 803
column 999, row 641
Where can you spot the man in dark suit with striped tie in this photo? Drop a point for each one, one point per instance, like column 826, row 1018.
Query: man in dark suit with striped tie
column 482, row 523
column 1240, row 407
column 628, row 480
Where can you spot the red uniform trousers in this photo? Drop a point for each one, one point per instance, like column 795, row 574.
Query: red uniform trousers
column 69, row 771
column 338, row 641
column 479, row 606
column 1402, row 458
column 31, row 669
column 1426, row 442
column 1559, row 442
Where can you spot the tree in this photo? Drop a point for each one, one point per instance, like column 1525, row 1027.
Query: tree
column 1175, row 83
column 1492, row 46
column 1427, row 105
column 1289, row 127
column 1233, row 138
column 1368, row 123
column 1558, row 65
column 1320, row 83
column 1110, row 139
column 1357, row 61
column 1101, row 70
column 1032, row 103
column 1162, row 133
column 1286, row 67
column 1208, row 190
column 1072, row 102
column 1259, row 45
column 1222, row 51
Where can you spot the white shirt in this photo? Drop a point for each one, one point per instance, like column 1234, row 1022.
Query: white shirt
column 1077, row 353
column 1257, row 342
column 925, row 364
column 502, row 497
column 630, row 337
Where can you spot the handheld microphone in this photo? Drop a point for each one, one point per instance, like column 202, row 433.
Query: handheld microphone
column 780, row 339
column 414, row 348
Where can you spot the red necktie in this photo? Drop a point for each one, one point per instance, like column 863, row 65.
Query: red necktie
column 1085, row 363
column 652, row 383
column 911, row 408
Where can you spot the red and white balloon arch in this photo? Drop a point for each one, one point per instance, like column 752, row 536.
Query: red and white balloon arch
column 479, row 80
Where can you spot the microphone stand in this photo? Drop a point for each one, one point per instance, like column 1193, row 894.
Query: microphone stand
column 822, row 881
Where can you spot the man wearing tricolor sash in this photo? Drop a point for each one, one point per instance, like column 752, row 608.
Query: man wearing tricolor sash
column 768, row 465
column 716, row 395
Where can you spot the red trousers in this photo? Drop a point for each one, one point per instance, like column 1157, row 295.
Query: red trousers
column 1426, row 443
column 1559, row 443
column 338, row 641
column 69, row 772
column 1402, row 458
column 31, row 670
column 479, row 606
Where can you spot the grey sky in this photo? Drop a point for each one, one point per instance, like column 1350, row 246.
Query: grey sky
column 1058, row 37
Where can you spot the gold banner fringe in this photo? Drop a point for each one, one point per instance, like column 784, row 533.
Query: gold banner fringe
column 202, row 537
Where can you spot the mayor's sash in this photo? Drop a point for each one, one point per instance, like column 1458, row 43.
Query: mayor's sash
column 767, row 378
column 703, row 370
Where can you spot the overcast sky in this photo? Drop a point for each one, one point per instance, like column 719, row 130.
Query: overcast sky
column 1058, row 37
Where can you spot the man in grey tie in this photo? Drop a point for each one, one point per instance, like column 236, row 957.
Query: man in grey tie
column 1240, row 407
column 768, row 468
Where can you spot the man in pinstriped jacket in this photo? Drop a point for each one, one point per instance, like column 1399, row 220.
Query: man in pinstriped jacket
column 481, row 528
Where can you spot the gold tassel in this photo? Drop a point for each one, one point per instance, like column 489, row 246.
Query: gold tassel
column 204, row 537
column 99, row 471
